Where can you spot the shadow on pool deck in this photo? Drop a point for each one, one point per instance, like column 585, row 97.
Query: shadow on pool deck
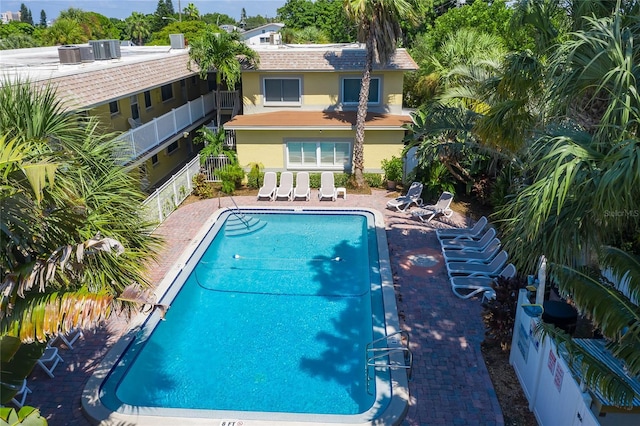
column 450, row 385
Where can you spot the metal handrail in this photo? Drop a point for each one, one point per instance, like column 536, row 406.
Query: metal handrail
column 373, row 355
column 237, row 212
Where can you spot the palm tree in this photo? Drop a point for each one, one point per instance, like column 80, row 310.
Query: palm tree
column 224, row 53
column 73, row 238
column 138, row 27
column 64, row 31
column 191, row 12
column 378, row 23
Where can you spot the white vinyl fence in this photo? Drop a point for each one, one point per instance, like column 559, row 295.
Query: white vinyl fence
column 168, row 197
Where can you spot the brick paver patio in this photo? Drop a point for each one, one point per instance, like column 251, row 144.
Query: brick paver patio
column 450, row 383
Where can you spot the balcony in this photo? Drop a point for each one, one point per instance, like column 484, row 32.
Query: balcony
column 141, row 140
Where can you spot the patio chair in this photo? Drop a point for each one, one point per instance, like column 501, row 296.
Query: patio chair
column 327, row 186
column 412, row 197
column 470, row 245
column 21, row 391
column 467, row 287
column 472, row 255
column 302, row 189
column 268, row 189
column 491, row 269
column 49, row 360
column 463, row 233
column 68, row 339
column 285, row 190
column 441, row 207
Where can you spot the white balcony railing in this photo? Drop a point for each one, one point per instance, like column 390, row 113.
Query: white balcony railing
column 136, row 142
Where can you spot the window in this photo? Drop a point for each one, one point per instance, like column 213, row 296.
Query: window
column 173, row 147
column 351, row 90
column 265, row 40
column 325, row 155
column 135, row 112
column 167, row 92
column 154, row 159
column 147, row 99
column 113, row 107
column 282, row 90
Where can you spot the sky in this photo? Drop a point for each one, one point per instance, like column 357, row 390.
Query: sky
column 123, row 8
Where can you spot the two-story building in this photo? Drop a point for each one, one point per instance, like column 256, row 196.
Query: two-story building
column 147, row 96
column 299, row 108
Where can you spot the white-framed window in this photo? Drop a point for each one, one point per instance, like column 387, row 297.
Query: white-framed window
column 281, row 91
column 173, row 147
column 350, row 90
column 154, row 159
column 147, row 99
column 135, row 112
column 167, row 92
column 114, row 107
column 319, row 154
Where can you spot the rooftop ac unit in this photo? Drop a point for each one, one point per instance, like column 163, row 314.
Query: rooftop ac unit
column 69, row 54
column 177, row 41
column 114, row 48
column 101, row 49
column 86, row 54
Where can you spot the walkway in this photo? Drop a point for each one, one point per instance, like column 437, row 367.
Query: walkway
column 450, row 383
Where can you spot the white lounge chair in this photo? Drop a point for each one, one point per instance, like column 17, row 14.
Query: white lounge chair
column 460, row 233
column 69, row 339
column 49, row 360
column 21, row 391
column 285, row 190
column 441, row 207
column 492, row 269
column 327, row 186
column 302, row 189
column 467, row 287
column 412, row 197
column 467, row 255
column 470, row 245
column 269, row 185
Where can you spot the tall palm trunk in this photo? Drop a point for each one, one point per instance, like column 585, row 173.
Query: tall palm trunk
column 218, row 103
column 358, row 146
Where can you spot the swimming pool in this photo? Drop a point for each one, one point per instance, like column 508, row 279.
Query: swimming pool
column 277, row 317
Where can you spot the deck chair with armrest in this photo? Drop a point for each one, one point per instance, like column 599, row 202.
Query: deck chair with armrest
column 426, row 213
column 269, row 186
column 69, row 338
column 327, row 186
column 49, row 360
column 467, row 287
column 463, row 233
column 491, row 269
column 472, row 255
column 285, row 190
column 21, row 391
column 412, row 196
column 470, row 245
column 302, row 189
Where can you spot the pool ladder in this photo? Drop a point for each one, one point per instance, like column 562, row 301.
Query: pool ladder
column 238, row 213
column 380, row 357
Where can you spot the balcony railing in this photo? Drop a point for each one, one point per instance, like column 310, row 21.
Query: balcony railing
column 136, row 142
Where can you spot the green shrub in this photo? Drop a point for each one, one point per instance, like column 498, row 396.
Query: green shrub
column 499, row 314
column 392, row 169
column 255, row 177
column 374, row 180
column 202, row 188
column 231, row 177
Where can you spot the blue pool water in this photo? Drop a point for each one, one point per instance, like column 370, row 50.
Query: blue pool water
column 275, row 320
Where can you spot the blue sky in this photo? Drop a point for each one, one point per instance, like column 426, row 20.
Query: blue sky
column 121, row 8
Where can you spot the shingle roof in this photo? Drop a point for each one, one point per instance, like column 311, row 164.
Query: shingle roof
column 309, row 120
column 327, row 59
column 95, row 87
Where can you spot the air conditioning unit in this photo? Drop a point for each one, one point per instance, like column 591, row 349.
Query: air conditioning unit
column 101, row 49
column 177, row 41
column 86, row 54
column 114, row 48
column 69, row 54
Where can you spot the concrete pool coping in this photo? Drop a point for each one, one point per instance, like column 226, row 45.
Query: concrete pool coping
column 392, row 414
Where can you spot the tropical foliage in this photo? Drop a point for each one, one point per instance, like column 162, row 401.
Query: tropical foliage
column 378, row 23
column 225, row 54
column 73, row 239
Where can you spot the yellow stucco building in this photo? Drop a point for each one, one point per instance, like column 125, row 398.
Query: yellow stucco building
column 299, row 108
